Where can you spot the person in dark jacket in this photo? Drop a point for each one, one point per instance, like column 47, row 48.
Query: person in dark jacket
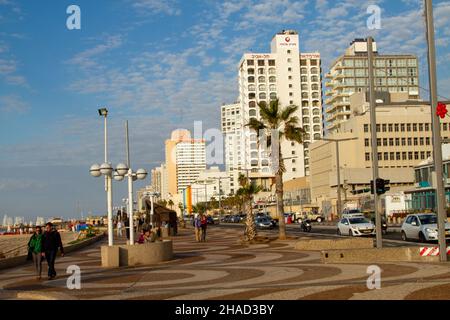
column 35, row 247
column 51, row 242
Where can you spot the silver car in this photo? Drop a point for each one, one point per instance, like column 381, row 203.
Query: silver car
column 422, row 227
column 355, row 226
column 263, row 223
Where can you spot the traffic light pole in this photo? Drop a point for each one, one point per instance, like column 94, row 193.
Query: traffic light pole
column 373, row 131
column 437, row 143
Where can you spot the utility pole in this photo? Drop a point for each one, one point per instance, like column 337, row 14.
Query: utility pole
column 437, row 143
column 373, row 131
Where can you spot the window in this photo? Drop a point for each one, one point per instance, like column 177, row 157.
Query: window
column 378, row 128
column 402, row 127
column 316, row 128
column 409, row 142
column 261, row 79
column 410, row 155
column 252, row 104
column 422, row 155
column 251, row 71
column 315, row 79
column 272, row 63
column 251, row 79
column 416, row 155
column 314, row 71
column 421, row 141
column 261, row 71
column 404, row 156
column 316, row 120
column 386, row 156
column 272, row 71
column 444, row 126
column 303, row 71
column 290, row 85
column 262, row 96
column 261, row 63
column 289, row 69
column 367, row 156
column 427, row 141
column 384, row 127
column 408, row 127
column 385, row 142
column 251, row 87
column 316, row 112
column 397, row 141
column 427, row 127
column 315, row 86
column 414, row 127
column 403, row 141
column 420, row 126
column 390, row 128
column 304, row 95
column 416, row 141
column 251, row 95
column 366, row 128
column 380, row 156
column 272, row 87
column 272, row 79
column 291, row 94
column 273, row 96
column 304, row 79
column 396, row 127
column 250, row 62
column 262, row 87
column 305, row 120
column 392, row 155
column 391, row 142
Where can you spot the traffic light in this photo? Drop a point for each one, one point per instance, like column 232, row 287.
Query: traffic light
column 382, row 186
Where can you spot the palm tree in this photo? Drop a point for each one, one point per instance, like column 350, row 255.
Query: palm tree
column 247, row 191
column 171, row 204
column 282, row 122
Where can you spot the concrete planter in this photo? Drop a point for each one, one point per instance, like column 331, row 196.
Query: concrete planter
column 138, row 254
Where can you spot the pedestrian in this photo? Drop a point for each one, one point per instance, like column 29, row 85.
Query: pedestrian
column 50, row 244
column 141, row 239
column 197, row 227
column 35, row 248
column 203, row 225
column 119, row 228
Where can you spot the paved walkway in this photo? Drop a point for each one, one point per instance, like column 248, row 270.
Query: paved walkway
column 224, row 269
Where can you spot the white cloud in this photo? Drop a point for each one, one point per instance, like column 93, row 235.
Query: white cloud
column 8, row 185
column 150, row 7
column 13, row 103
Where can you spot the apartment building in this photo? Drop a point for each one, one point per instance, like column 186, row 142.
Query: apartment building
column 349, row 74
column 185, row 159
column 159, row 181
column 290, row 76
column 404, row 140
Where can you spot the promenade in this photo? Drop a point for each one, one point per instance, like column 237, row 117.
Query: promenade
column 224, row 269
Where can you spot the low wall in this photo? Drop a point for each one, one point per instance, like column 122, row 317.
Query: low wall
column 326, row 244
column 375, row 255
column 21, row 260
column 138, row 254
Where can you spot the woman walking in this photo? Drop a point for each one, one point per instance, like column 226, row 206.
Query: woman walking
column 35, row 247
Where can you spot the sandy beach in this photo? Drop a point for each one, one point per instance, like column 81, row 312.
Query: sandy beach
column 14, row 245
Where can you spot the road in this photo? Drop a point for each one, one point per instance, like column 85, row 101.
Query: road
column 391, row 239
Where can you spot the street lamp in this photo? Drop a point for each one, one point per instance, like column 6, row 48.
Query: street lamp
column 338, row 170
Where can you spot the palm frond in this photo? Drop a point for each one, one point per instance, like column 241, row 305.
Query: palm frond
column 287, row 113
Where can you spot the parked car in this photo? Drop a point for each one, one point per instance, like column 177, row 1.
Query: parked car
column 242, row 217
column 226, row 218
column 209, row 220
column 356, row 226
column 263, row 223
column 422, row 227
column 235, row 218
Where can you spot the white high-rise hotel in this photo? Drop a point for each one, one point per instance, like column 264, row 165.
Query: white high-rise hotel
column 292, row 77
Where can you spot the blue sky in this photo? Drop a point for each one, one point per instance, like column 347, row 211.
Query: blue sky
column 159, row 64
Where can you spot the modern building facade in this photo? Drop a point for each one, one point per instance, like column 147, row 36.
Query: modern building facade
column 159, row 181
column 404, row 140
column 285, row 74
column 185, row 159
column 349, row 74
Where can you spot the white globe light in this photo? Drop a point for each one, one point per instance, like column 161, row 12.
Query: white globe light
column 95, row 170
column 141, row 174
column 106, row 169
column 122, row 169
column 117, row 176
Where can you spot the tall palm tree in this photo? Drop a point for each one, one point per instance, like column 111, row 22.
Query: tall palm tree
column 171, row 204
column 282, row 122
column 247, row 191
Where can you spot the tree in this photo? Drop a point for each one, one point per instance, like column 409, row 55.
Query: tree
column 171, row 204
column 246, row 192
column 278, row 124
column 162, row 203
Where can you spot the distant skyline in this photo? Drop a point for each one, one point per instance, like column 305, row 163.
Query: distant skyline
column 161, row 65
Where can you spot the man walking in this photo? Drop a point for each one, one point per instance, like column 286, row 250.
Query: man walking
column 50, row 244
column 197, row 226
column 204, row 225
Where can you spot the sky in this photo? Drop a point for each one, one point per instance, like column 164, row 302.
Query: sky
column 161, row 65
